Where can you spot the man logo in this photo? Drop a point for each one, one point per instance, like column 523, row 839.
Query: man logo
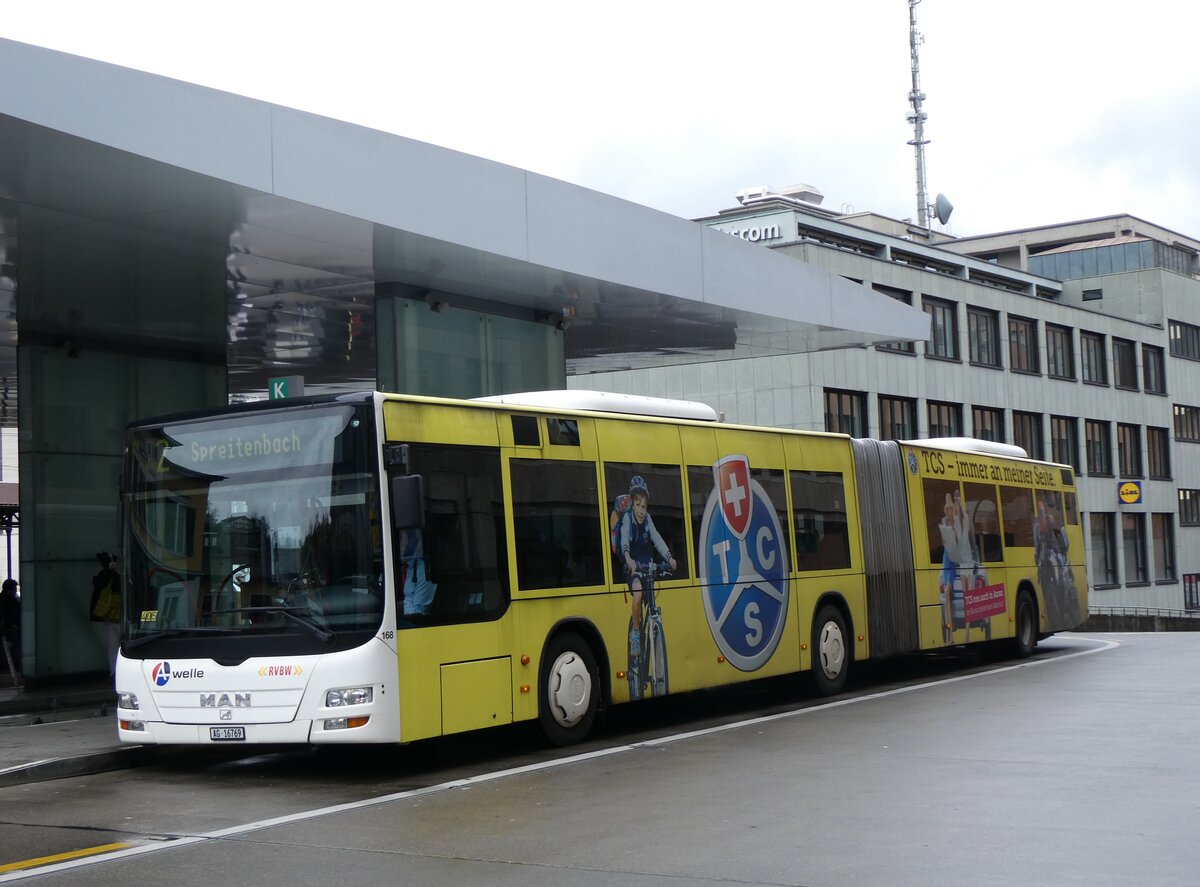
column 743, row 566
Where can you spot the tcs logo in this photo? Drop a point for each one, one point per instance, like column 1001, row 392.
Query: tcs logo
column 743, row 566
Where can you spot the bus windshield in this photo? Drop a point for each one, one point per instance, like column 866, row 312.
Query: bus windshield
column 257, row 534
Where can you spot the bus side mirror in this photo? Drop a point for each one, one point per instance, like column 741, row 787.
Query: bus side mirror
column 408, row 502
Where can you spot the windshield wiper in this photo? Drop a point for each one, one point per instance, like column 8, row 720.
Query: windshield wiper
column 324, row 635
column 142, row 640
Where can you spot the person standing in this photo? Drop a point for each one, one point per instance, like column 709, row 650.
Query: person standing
column 10, row 622
column 106, row 603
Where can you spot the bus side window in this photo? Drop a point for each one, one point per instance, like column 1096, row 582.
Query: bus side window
column 939, row 513
column 664, row 510
column 1016, row 504
column 556, row 523
column 983, row 512
column 465, row 553
column 819, row 506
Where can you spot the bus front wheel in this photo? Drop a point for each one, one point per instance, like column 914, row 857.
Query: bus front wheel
column 1026, row 636
column 831, row 650
column 570, row 689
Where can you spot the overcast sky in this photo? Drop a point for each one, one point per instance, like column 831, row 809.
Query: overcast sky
column 1039, row 112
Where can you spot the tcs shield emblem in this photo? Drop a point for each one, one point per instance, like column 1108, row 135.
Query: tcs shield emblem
column 743, row 566
column 733, row 485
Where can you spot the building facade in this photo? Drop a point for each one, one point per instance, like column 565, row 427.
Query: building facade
column 1079, row 342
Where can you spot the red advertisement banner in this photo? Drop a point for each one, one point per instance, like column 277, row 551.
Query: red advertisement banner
column 984, row 601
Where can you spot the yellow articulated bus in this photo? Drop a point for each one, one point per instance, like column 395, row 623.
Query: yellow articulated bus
column 382, row 568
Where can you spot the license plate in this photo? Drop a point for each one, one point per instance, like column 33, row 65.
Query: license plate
column 227, row 734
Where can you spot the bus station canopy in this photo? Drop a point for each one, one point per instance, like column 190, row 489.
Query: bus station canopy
column 301, row 211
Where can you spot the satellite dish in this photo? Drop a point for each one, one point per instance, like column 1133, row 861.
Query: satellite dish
column 942, row 207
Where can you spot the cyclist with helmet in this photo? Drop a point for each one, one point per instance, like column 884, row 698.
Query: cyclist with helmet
column 640, row 541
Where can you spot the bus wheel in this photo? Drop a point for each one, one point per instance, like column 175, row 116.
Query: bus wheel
column 570, row 689
column 831, row 650
column 1026, row 637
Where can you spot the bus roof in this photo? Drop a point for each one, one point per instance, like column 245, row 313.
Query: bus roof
column 971, row 445
column 608, row 402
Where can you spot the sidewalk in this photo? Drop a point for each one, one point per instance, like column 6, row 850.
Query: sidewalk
column 67, row 729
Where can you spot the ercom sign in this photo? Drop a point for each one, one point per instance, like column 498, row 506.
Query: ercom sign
column 756, row 233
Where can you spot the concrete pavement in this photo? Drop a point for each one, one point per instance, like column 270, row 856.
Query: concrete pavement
column 69, row 729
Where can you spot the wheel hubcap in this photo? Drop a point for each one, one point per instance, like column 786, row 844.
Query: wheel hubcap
column 570, row 689
column 831, row 649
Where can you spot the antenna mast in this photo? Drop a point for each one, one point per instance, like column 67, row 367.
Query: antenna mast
column 917, row 117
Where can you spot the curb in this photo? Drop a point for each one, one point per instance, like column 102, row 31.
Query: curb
column 76, row 765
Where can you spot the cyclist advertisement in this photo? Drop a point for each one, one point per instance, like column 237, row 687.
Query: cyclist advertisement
column 742, row 559
column 642, row 555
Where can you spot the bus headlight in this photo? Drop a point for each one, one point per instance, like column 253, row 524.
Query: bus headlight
column 128, row 701
column 349, row 696
column 137, row 726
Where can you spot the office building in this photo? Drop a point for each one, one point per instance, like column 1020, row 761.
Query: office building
column 1079, row 342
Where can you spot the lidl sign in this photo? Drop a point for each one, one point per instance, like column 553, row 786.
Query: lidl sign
column 1130, row 492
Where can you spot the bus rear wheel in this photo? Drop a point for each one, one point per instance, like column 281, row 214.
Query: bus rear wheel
column 831, row 651
column 1026, row 637
column 570, row 689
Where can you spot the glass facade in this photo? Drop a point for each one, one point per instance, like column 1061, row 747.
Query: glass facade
column 1138, row 255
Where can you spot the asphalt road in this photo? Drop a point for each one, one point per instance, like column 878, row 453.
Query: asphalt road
column 1077, row 766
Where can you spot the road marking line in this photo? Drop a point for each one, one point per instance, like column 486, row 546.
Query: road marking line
column 246, row 828
column 62, row 857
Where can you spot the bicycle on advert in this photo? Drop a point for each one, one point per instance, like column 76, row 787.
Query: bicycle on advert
column 648, row 660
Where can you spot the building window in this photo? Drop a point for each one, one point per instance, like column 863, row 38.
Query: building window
column 1091, row 355
column 1133, row 546
column 1060, row 352
column 987, row 423
column 1189, row 508
column 1022, row 345
column 1027, row 433
column 1187, row 423
column 1158, row 453
column 1162, row 530
column 1093, row 295
column 1129, row 450
column 1104, row 548
column 897, row 418
column 1191, row 591
column 846, row 412
column 1099, row 447
column 943, row 333
column 900, row 296
column 1184, row 339
column 1154, row 376
column 945, row 419
column 1064, row 440
column 983, row 333
column 1124, row 364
